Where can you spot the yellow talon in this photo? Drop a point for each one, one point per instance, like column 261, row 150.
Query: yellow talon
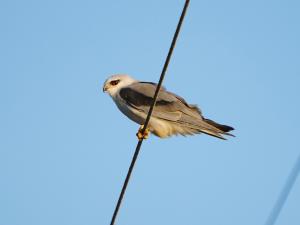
column 142, row 135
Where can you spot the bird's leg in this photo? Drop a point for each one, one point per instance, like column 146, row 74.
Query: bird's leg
column 143, row 135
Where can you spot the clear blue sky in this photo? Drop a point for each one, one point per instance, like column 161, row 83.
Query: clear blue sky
column 65, row 148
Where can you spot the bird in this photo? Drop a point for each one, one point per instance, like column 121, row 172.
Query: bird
column 172, row 115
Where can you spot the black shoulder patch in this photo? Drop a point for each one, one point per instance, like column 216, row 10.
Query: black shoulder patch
column 135, row 98
column 144, row 82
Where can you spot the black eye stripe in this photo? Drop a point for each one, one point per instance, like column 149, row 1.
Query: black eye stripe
column 114, row 82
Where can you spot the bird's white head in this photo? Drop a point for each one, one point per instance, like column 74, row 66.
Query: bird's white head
column 115, row 82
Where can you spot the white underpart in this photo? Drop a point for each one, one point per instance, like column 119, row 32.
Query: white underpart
column 157, row 126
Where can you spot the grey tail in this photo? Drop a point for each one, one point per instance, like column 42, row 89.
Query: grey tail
column 221, row 127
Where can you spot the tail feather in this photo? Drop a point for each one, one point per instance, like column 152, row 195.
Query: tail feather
column 205, row 126
column 221, row 127
column 213, row 133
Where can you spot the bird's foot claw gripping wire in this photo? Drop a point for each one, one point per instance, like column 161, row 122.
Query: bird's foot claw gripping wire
column 142, row 135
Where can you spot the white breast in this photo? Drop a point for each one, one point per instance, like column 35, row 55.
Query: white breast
column 158, row 127
column 130, row 112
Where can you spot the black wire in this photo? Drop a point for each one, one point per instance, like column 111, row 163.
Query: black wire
column 284, row 193
column 139, row 144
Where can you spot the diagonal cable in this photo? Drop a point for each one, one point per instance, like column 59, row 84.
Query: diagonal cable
column 274, row 214
column 139, row 144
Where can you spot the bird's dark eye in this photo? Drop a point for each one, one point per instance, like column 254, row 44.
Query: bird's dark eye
column 114, row 82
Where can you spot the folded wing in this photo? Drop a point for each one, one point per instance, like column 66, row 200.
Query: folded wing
column 170, row 107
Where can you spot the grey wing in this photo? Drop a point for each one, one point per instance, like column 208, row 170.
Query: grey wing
column 168, row 106
column 172, row 108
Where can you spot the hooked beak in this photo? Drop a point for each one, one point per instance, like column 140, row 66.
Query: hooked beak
column 105, row 88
